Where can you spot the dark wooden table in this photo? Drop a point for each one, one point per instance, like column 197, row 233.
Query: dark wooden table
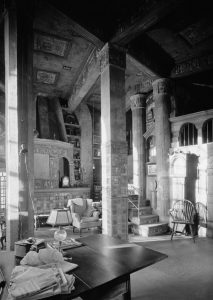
column 105, row 265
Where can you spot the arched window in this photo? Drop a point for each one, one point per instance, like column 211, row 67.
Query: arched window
column 207, row 131
column 188, row 135
column 151, row 149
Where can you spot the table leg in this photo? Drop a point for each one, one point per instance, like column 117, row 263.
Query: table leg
column 119, row 289
column 127, row 295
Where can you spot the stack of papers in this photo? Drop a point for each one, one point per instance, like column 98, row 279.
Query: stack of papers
column 39, row 282
column 67, row 244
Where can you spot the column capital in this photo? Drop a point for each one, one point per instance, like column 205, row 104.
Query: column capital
column 162, row 86
column 138, row 101
column 112, row 54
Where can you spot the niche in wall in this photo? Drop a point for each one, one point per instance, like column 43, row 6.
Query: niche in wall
column 63, row 169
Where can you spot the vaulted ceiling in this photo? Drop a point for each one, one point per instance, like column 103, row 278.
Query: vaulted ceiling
column 163, row 38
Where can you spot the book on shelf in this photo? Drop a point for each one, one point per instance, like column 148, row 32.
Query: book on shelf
column 67, row 244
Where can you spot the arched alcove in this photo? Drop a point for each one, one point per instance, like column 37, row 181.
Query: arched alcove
column 63, row 169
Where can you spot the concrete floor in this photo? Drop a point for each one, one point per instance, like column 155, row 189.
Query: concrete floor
column 187, row 273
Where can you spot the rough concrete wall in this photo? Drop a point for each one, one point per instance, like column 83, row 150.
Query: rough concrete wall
column 85, row 121
column 203, row 190
column 43, row 118
column 130, row 168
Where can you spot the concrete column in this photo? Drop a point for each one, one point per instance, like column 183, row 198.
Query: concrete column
column 84, row 117
column 43, row 118
column 161, row 96
column 138, row 106
column 19, row 126
column 113, row 142
column 59, row 116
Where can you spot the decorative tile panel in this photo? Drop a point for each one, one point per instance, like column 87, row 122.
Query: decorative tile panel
column 50, row 44
column 47, row 77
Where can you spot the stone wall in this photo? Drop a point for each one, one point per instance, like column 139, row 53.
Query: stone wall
column 45, row 200
column 46, row 162
column 194, row 165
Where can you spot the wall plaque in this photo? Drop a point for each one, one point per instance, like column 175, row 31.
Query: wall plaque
column 151, row 169
column 50, row 44
column 46, row 77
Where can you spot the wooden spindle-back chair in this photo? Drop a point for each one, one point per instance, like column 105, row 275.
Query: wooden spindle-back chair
column 183, row 212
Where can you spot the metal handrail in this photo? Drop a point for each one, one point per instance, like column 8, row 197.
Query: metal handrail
column 130, row 193
column 137, row 207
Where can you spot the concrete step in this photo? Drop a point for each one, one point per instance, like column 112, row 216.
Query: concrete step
column 144, row 211
column 150, row 229
column 145, row 219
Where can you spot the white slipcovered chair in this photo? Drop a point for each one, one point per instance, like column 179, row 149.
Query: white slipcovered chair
column 84, row 216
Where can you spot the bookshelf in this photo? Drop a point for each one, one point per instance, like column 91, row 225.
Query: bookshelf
column 73, row 132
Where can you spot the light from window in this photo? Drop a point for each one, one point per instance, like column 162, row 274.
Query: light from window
column 207, row 131
column 2, row 193
column 188, row 135
column 151, row 149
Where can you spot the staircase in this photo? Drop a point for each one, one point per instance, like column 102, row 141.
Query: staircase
column 142, row 221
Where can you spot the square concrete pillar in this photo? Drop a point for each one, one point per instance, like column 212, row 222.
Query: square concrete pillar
column 113, row 144
column 19, row 126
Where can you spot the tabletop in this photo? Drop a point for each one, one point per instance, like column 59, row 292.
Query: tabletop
column 103, row 259
column 105, row 262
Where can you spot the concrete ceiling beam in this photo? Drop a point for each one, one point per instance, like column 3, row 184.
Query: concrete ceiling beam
column 86, row 80
column 146, row 20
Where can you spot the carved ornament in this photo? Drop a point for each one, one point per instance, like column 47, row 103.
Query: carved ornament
column 54, row 149
column 112, row 55
column 193, row 65
column 162, row 86
column 138, row 101
column 144, row 85
column 91, row 62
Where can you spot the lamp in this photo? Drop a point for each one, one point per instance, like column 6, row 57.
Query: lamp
column 60, row 217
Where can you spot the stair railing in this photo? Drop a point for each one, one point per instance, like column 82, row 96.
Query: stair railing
column 134, row 191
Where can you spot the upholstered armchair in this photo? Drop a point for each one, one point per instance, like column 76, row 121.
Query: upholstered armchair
column 83, row 214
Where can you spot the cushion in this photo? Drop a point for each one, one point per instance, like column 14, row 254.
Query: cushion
column 96, row 214
column 89, row 219
column 89, row 212
column 79, row 209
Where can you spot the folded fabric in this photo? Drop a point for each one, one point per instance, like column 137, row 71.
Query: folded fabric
column 44, row 256
column 21, row 273
column 28, row 281
column 39, row 282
